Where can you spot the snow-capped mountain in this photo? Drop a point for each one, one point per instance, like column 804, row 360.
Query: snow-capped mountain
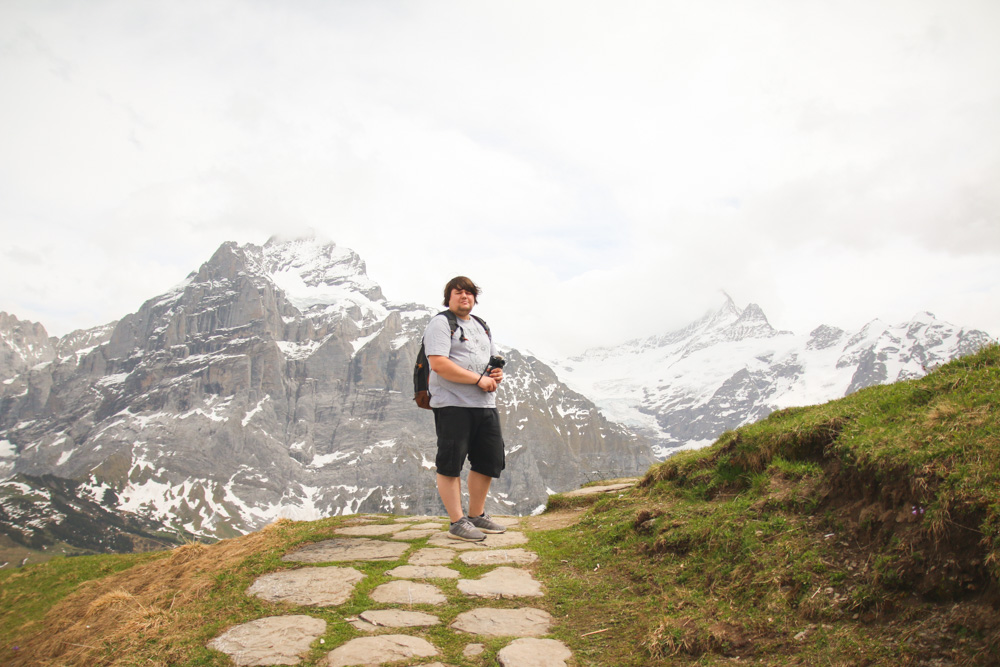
column 731, row 368
column 274, row 381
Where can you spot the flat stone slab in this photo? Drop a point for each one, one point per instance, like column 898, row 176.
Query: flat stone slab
column 531, row 652
column 503, row 582
column 369, row 530
column 380, row 649
column 430, row 525
column 371, row 621
column 342, row 549
column 498, row 557
column 437, row 556
column 423, row 572
column 408, row 592
column 422, row 517
column 308, row 586
column 442, row 540
column 511, row 538
column 278, row 640
column 593, row 490
column 524, row 622
column 399, row 618
column 413, row 534
column 508, row 539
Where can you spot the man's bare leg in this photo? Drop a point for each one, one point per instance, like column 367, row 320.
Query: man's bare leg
column 450, row 490
column 479, row 486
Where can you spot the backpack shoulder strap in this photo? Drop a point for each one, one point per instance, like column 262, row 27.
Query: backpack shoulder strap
column 454, row 325
column 452, row 320
column 485, row 326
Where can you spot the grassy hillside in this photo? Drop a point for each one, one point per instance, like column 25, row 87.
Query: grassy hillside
column 865, row 531
column 862, row 531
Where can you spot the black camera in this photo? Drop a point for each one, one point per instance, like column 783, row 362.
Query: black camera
column 496, row 362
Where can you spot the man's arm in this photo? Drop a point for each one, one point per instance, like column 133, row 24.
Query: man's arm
column 452, row 372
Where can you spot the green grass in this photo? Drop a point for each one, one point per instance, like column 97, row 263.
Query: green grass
column 859, row 531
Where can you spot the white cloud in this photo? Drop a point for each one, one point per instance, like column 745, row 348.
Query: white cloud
column 603, row 172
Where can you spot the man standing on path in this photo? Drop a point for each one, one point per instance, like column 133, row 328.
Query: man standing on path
column 463, row 398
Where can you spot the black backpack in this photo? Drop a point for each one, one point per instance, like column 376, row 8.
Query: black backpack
column 422, row 369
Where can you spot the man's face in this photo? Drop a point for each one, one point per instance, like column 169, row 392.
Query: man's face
column 461, row 302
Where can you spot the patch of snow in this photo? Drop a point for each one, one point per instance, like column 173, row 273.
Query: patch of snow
column 379, row 445
column 361, row 342
column 7, row 449
column 256, row 409
column 326, row 459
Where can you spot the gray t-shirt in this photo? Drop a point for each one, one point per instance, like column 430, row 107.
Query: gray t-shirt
column 472, row 354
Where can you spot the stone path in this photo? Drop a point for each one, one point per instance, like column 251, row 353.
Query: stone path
column 394, row 633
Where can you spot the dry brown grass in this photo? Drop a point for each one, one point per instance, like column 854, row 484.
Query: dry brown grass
column 106, row 617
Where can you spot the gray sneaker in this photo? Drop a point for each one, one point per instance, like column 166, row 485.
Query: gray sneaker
column 464, row 530
column 486, row 524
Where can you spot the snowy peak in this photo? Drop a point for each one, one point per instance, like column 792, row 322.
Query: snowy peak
column 318, row 277
column 296, row 292
column 718, row 320
column 752, row 323
column 728, row 324
column 316, row 264
column 732, row 367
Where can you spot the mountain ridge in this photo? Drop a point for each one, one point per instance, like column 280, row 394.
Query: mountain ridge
column 275, row 381
column 729, row 368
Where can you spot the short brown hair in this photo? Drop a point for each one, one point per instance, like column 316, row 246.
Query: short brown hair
column 461, row 282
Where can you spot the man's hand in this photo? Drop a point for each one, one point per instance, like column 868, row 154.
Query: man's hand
column 452, row 372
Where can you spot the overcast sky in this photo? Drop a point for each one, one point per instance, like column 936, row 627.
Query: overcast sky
column 602, row 169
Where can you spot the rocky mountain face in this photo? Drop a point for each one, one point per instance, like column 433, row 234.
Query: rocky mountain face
column 730, row 368
column 22, row 345
column 274, row 381
column 51, row 514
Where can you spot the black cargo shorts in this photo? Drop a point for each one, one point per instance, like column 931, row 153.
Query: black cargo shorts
column 472, row 433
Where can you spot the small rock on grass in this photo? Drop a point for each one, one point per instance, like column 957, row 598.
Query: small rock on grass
column 472, row 650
